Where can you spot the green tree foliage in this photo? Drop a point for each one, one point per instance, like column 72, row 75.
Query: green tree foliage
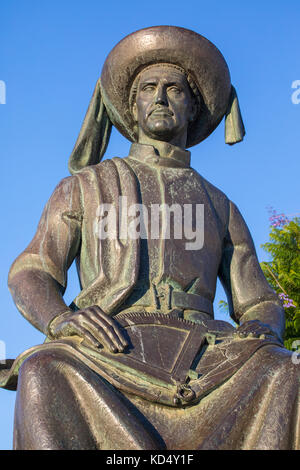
column 283, row 270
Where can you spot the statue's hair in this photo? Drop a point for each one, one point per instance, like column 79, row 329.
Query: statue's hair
column 192, row 85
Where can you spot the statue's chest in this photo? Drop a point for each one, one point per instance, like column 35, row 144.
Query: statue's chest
column 177, row 206
column 182, row 237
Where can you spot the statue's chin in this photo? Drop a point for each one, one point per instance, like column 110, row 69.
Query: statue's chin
column 161, row 130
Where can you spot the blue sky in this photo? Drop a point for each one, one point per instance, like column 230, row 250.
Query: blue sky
column 51, row 54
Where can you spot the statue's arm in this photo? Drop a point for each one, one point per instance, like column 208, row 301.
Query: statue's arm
column 250, row 297
column 37, row 279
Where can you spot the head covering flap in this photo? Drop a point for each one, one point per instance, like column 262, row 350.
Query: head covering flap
column 234, row 126
column 181, row 47
column 94, row 135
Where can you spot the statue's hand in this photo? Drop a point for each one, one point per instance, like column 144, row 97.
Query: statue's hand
column 93, row 325
column 254, row 329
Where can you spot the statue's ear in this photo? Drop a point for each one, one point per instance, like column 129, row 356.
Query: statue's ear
column 94, row 134
column 134, row 112
column 234, row 126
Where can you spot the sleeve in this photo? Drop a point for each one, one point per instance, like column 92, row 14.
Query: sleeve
column 250, row 297
column 38, row 277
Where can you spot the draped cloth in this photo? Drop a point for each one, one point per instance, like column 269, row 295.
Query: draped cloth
column 256, row 407
column 247, row 390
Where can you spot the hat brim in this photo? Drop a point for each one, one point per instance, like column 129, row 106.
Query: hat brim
column 167, row 44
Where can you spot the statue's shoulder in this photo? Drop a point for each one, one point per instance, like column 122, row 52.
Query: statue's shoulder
column 93, row 172
column 212, row 190
column 217, row 197
column 67, row 185
column 107, row 173
column 104, row 165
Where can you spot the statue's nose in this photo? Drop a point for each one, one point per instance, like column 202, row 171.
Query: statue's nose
column 161, row 97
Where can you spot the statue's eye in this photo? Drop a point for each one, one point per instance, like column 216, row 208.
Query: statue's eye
column 174, row 89
column 149, row 88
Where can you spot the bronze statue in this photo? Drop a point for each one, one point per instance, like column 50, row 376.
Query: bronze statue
column 137, row 361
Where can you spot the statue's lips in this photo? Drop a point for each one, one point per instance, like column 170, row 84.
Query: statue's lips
column 161, row 113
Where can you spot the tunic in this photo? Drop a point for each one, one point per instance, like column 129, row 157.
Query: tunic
column 247, row 390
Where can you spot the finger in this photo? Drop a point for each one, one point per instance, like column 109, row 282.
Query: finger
column 251, row 333
column 255, row 331
column 97, row 328
column 106, row 338
column 246, row 332
column 251, row 330
column 85, row 334
column 112, row 323
column 241, row 331
column 110, row 326
column 112, row 335
column 90, row 331
column 242, row 334
column 258, row 329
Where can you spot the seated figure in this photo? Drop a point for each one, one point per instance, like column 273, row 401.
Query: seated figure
column 137, row 361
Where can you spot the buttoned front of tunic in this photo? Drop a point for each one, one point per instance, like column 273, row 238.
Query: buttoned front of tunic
column 170, row 184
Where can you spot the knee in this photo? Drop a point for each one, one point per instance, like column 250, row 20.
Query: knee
column 40, row 364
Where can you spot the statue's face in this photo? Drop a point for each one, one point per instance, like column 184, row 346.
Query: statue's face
column 164, row 104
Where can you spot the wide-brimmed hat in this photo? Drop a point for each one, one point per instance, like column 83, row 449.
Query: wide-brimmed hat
column 110, row 104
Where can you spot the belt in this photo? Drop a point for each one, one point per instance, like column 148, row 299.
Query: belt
column 165, row 298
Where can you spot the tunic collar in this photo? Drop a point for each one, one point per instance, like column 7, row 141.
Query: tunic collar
column 177, row 158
